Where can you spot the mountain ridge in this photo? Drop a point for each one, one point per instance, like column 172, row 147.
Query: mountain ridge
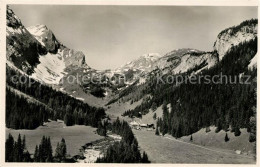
column 50, row 61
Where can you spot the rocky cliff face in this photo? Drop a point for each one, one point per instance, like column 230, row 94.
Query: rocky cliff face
column 183, row 60
column 232, row 36
column 36, row 51
column 45, row 37
column 22, row 49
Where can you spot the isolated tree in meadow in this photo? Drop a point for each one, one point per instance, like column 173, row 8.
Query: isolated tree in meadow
column 154, row 116
column 191, row 138
column 226, row 138
column 157, row 131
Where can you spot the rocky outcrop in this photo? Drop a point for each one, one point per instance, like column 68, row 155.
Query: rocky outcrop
column 233, row 36
column 22, row 49
column 36, row 51
column 45, row 37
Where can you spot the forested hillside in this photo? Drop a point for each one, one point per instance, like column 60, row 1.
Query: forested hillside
column 195, row 106
column 21, row 114
column 30, row 116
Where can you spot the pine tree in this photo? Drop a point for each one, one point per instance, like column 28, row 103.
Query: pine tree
column 36, row 154
column 15, row 150
column 45, row 150
column 63, row 147
column 165, row 118
column 101, row 130
column 49, row 151
column 145, row 158
column 191, row 138
column 219, row 126
column 157, row 131
column 61, row 150
column 19, row 149
column 23, row 143
column 9, row 148
column 42, row 150
column 179, row 131
column 154, row 106
column 58, row 151
column 154, row 116
column 237, row 131
column 27, row 157
column 208, row 129
column 226, row 138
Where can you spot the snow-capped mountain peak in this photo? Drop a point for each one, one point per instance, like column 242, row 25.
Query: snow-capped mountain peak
column 143, row 64
column 36, row 51
column 45, row 36
column 37, row 30
column 152, row 56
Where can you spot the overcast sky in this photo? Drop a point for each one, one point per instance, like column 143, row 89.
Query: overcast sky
column 113, row 35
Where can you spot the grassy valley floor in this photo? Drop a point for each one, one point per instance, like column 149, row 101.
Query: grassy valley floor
column 169, row 150
column 75, row 136
column 216, row 140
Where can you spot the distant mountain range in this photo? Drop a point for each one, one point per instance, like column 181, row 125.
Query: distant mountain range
column 36, row 51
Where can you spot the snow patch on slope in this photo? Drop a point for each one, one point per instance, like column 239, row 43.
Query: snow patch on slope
column 51, row 68
column 10, row 30
column 143, row 63
column 189, row 62
column 37, row 30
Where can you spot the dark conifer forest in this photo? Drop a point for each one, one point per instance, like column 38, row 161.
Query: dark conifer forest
column 228, row 106
column 16, row 151
column 57, row 105
column 125, row 151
